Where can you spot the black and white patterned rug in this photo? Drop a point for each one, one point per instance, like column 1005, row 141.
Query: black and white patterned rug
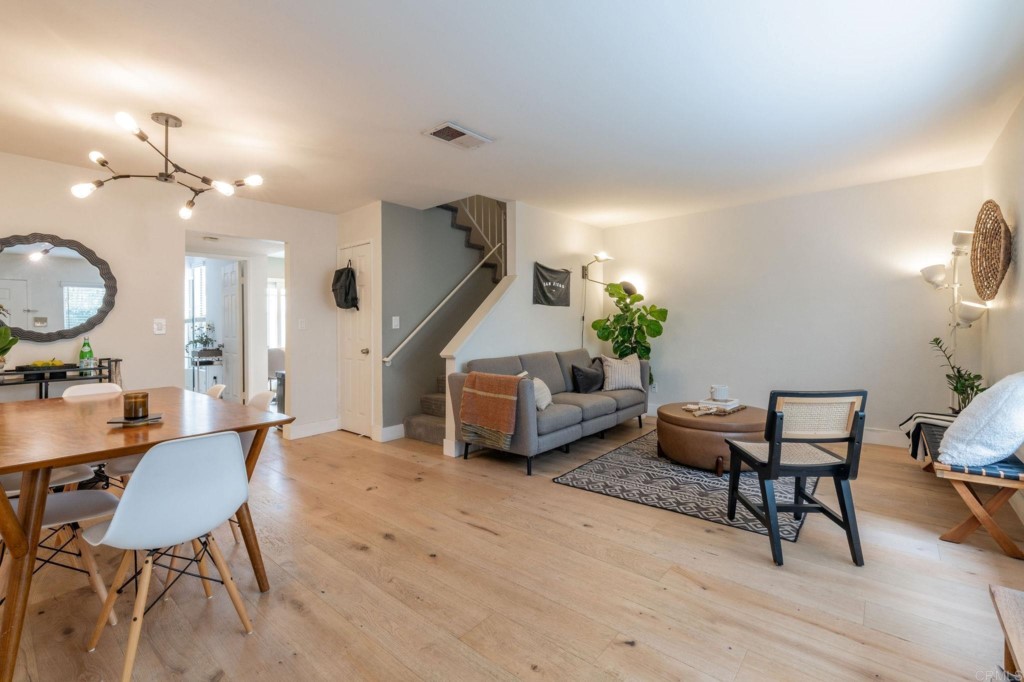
column 634, row 472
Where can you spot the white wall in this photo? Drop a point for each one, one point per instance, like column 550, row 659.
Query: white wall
column 134, row 226
column 819, row 291
column 509, row 323
column 1003, row 181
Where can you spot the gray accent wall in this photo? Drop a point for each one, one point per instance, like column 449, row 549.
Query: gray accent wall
column 423, row 257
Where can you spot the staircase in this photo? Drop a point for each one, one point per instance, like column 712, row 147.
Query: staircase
column 484, row 221
column 485, row 225
column 429, row 425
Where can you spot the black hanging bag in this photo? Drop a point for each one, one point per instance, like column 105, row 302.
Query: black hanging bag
column 344, row 288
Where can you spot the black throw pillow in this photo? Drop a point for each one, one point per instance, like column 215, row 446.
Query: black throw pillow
column 587, row 379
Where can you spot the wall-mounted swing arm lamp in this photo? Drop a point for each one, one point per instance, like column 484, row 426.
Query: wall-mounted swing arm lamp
column 962, row 313
column 599, row 257
column 168, row 121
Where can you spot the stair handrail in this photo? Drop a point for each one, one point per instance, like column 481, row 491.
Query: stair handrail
column 387, row 360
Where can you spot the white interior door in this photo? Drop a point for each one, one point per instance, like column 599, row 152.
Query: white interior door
column 233, row 323
column 14, row 297
column 354, row 334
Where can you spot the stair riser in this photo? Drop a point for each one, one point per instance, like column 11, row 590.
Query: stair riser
column 433, row 406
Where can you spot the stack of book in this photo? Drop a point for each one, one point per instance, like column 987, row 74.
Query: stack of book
column 724, row 405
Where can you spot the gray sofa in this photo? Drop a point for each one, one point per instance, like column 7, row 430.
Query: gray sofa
column 570, row 416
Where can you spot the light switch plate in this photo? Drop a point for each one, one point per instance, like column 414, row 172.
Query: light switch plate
column 302, row 324
column 159, row 326
column 394, row 322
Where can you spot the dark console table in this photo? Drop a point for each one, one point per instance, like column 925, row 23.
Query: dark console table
column 107, row 370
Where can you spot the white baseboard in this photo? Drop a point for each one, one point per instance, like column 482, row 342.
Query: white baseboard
column 386, row 433
column 891, row 437
column 293, row 431
column 452, row 448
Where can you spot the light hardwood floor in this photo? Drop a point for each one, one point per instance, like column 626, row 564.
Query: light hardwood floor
column 392, row 562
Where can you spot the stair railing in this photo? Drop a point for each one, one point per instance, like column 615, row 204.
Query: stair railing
column 490, row 222
column 387, row 360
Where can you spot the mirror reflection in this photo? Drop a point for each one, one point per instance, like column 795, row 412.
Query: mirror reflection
column 48, row 288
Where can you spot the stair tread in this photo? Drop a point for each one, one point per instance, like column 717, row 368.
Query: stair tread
column 425, row 427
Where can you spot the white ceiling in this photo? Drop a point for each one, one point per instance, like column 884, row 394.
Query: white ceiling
column 611, row 112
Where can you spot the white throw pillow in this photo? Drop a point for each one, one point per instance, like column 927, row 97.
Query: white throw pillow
column 624, row 373
column 541, row 394
column 990, row 429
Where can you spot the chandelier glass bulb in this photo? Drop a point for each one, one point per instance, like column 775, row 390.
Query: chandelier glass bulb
column 186, row 211
column 125, row 120
column 225, row 188
column 97, row 157
column 253, row 180
column 84, row 189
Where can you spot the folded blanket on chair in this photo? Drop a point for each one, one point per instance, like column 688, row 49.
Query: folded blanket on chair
column 911, row 426
column 488, row 411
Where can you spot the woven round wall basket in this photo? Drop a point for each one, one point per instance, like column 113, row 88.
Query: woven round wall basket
column 990, row 250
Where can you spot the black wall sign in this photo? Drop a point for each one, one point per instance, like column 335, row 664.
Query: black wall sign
column 550, row 286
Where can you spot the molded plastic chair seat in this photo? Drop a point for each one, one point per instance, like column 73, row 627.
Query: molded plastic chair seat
column 216, row 390
column 83, row 390
column 76, row 506
column 11, row 483
column 123, row 466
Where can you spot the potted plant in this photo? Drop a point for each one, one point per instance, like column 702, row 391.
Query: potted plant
column 631, row 329
column 964, row 384
column 7, row 339
column 203, row 344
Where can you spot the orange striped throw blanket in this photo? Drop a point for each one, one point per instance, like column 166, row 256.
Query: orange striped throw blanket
column 488, row 411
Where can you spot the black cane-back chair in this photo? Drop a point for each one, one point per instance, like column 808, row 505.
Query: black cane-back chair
column 798, row 422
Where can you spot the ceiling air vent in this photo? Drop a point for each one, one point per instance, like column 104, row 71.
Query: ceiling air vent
column 457, row 135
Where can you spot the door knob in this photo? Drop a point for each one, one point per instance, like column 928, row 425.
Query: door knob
column 365, row 351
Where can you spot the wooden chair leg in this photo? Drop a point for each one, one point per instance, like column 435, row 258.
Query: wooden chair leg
column 233, row 525
column 197, row 548
column 108, row 605
column 229, row 583
column 171, row 562
column 734, row 485
column 772, row 515
column 89, row 563
column 798, row 488
column 983, row 515
column 135, row 632
column 849, row 520
column 5, row 567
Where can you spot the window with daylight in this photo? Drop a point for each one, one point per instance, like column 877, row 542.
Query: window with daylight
column 275, row 313
column 81, row 301
column 195, row 300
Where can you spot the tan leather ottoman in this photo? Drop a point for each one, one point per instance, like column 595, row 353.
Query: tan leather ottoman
column 700, row 441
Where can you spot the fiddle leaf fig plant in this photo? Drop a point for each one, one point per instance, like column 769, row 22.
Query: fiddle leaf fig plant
column 633, row 326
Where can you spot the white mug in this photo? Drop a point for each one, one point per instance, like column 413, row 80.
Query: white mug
column 719, row 392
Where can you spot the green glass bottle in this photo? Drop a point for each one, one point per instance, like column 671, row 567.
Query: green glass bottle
column 85, row 357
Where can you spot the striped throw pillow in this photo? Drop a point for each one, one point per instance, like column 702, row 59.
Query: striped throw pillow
column 624, row 373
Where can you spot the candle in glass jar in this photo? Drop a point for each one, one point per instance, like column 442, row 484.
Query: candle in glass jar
column 136, row 405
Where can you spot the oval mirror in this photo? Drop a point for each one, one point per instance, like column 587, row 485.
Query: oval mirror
column 53, row 288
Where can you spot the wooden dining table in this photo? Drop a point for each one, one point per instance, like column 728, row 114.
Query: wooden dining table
column 37, row 436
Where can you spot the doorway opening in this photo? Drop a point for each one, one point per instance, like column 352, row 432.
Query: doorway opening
column 235, row 305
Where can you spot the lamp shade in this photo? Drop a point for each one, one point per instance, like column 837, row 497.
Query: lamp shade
column 968, row 312
column 962, row 239
column 934, row 274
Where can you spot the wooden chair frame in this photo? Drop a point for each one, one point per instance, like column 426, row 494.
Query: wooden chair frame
column 842, row 472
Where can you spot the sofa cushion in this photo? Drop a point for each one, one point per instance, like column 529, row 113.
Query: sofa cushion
column 622, row 373
column 557, row 417
column 566, row 359
column 544, row 366
column 625, row 397
column 592, row 404
column 587, row 379
column 506, row 365
column 541, row 394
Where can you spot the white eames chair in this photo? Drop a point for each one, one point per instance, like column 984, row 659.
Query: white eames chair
column 62, row 516
column 216, row 390
column 83, row 390
column 180, row 492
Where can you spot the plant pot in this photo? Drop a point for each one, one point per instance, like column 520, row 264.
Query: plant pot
column 207, row 353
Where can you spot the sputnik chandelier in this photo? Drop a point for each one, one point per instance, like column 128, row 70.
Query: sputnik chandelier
column 168, row 121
